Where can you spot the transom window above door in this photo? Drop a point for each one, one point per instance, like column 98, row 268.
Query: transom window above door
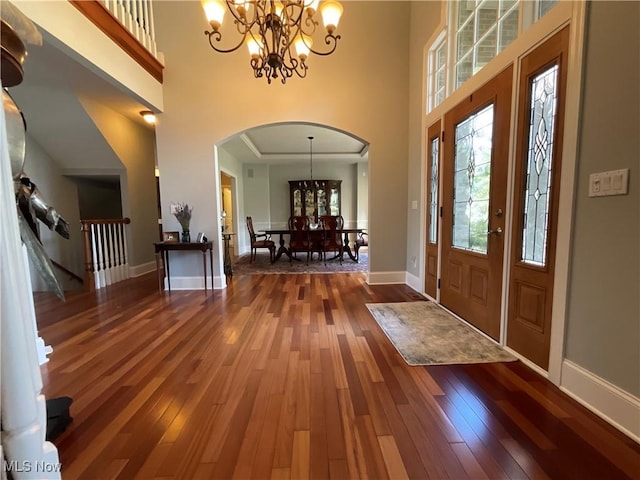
column 476, row 31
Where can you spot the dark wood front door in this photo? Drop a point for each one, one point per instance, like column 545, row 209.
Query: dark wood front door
column 476, row 147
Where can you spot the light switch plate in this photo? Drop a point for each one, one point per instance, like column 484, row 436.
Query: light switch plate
column 613, row 182
column 414, row 204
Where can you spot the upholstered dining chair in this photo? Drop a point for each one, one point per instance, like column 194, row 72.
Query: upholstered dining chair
column 299, row 240
column 332, row 226
column 260, row 240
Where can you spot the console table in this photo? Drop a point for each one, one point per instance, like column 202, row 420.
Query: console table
column 162, row 252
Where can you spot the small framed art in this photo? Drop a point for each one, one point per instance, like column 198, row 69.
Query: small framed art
column 171, row 236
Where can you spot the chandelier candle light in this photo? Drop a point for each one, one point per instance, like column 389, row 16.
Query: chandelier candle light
column 182, row 212
column 271, row 29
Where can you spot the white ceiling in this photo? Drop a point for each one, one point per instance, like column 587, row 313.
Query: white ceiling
column 54, row 80
column 289, row 143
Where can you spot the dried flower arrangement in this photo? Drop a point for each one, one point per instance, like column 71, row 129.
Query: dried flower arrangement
column 182, row 212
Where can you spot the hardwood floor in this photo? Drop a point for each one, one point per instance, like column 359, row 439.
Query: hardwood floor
column 289, row 376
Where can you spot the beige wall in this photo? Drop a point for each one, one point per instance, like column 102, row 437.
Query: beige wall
column 361, row 89
column 98, row 199
column 603, row 330
column 134, row 145
column 425, row 19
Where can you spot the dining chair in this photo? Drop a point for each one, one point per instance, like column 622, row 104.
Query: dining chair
column 332, row 226
column 260, row 240
column 299, row 240
column 361, row 241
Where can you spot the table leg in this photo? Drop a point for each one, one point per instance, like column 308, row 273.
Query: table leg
column 166, row 252
column 160, row 272
column 282, row 249
column 204, row 268
column 211, row 266
column 347, row 249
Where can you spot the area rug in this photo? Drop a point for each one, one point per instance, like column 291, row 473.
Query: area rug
column 262, row 265
column 425, row 334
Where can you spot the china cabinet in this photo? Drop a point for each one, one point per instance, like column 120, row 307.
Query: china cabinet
column 314, row 198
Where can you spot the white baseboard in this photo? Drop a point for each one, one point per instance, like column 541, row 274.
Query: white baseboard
column 142, row 269
column 381, row 278
column 414, row 282
column 194, row 283
column 619, row 408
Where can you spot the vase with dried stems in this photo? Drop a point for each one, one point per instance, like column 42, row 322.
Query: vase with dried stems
column 182, row 212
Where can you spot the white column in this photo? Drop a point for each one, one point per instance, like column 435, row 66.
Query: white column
column 22, row 407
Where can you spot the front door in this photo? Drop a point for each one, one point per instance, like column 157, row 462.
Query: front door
column 476, row 147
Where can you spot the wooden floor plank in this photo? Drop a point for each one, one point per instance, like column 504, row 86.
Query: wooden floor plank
column 289, row 376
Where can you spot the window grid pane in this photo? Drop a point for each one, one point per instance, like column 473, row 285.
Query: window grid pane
column 543, row 104
column 508, row 29
column 472, row 181
column 544, row 6
column 437, row 74
column 464, row 70
column 433, row 199
column 484, row 29
column 485, row 50
column 486, row 18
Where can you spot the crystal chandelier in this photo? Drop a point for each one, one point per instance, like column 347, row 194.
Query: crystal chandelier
column 277, row 32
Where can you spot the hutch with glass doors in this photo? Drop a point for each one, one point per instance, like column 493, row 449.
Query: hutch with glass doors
column 315, row 198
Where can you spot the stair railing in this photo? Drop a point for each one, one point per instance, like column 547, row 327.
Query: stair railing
column 105, row 252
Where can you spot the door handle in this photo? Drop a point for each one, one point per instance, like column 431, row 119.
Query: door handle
column 497, row 231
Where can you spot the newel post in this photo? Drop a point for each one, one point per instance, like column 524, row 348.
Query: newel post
column 89, row 281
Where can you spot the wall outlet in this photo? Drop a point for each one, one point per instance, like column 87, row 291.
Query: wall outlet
column 173, row 208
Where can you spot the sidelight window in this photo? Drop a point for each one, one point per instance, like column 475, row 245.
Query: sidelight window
column 433, row 190
column 543, row 97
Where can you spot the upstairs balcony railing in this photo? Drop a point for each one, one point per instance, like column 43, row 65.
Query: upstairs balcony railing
column 129, row 23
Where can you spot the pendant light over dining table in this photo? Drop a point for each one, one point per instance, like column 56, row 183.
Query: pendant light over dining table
column 278, row 33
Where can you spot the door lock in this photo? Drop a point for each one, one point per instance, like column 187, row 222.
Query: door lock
column 497, row 231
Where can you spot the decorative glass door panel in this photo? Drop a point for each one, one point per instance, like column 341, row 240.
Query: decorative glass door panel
column 542, row 105
column 472, row 172
column 309, row 204
column 433, row 187
column 334, row 202
column 322, row 201
column 476, row 148
column 297, row 203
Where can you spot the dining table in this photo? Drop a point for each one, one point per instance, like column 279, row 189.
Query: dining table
column 283, row 250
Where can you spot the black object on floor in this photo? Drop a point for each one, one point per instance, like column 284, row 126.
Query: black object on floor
column 58, row 416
